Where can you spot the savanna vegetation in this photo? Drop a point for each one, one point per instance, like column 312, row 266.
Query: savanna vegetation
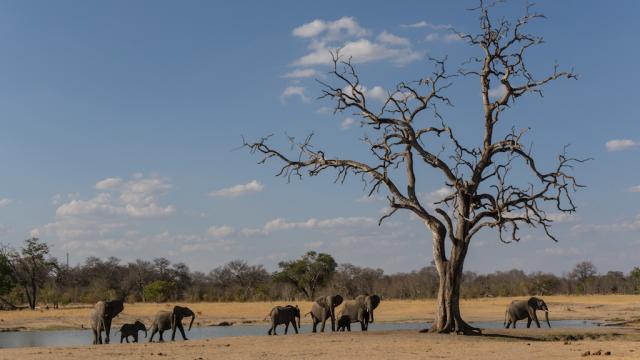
column 31, row 277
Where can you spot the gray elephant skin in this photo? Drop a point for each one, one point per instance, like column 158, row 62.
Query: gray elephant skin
column 359, row 310
column 127, row 330
column 325, row 308
column 101, row 316
column 525, row 309
column 166, row 320
column 284, row 315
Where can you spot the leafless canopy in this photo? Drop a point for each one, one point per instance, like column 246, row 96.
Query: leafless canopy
column 478, row 174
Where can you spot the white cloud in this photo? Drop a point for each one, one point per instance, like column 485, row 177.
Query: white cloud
column 313, row 245
column 333, row 29
column 431, row 37
column 238, row 190
column 108, row 183
column 347, row 123
column 338, row 223
column 220, row 231
column 561, row 217
column 621, row 144
column 425, row 24
column 378, row 93
column 621, row 226
column 294, row 91
column 5, row 202
column 388, row 38
column 634, row 189
column 361, row 51
column 498, row 92
column 449, row 38
column 301, row 73
column 437, row 195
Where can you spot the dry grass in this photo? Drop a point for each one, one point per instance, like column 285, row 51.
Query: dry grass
column 597, row 307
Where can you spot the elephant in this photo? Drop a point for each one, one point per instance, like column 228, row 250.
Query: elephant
column 360, row 310
column 325, row 308
column 344, row 323
column 521, row 309
column 166, row 320
column 284, row 315
column 101, row 316
column 132, row 330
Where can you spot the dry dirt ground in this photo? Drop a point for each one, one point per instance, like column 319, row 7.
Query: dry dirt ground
column 621, row 342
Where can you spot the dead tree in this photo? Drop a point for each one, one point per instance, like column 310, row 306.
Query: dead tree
column 407, row 129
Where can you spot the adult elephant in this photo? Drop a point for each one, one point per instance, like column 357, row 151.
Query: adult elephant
column 325, row 308
column 101, row 315
column 521, row 309
column 284, row 315
column 359, row 310
column 166, row 320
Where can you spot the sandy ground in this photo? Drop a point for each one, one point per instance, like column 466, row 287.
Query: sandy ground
column 616, row 308
column 621, row 342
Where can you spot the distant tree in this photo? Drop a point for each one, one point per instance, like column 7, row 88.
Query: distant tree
column 32, row 267
column 411, row 143
column 634, row 276
column 7, row 281
column 307, row 274
column 162, row 265
column 159, row 290
column 583, row 273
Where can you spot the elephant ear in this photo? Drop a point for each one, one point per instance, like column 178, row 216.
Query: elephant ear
column 375, row 301
column 322, row 301
column 337, row 300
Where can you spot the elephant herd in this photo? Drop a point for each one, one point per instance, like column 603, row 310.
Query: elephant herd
column 359, row 310
column 104, row 312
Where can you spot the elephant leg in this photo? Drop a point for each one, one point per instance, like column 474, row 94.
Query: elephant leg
column 535, row 317
column 295, row 327
column 286, row 328
column 107, row 330
column 363, row 327
column 324, row 320
column 514, row 323
column 349, row 326
column 135, row 337
column 528, row 323
column 154, row 330
column 173, row 331
column 315, row 324
column 184, row 337
column 508, row 324
column 160, row 333
column 333, row 323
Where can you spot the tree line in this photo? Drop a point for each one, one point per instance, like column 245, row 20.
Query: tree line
column 31, row 277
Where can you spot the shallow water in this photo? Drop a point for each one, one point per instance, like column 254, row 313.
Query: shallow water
column 84, row 337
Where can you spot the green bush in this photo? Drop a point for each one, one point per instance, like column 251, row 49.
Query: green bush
column 159, row 290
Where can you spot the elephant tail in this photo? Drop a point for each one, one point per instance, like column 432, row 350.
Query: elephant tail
column 305, row 315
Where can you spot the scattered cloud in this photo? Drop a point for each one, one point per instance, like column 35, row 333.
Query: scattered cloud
column 338, row 223
column 331, row 29
column 108, row 183
column 347, row 123
column 621, row 226
column 5, row 202
column 361, row 51
column 428, row 25
column 301, row 73
column 220, row 231
column 634, row 189
column 498, row 91
column 621, row 144
column 437, row 195
column 238, row 190
column 291, row 91
column 388, row 38
column 446, row 38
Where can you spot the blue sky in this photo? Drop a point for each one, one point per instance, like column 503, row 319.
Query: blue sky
column 120, row 123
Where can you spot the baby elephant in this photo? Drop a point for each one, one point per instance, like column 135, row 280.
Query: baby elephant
column 284, row 315
column 525, row 309
column 344, row 323
column 132, row 330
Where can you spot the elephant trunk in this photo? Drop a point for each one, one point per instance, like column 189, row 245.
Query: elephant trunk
column 299, row 326
column 193, row 317
column 546, row 317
